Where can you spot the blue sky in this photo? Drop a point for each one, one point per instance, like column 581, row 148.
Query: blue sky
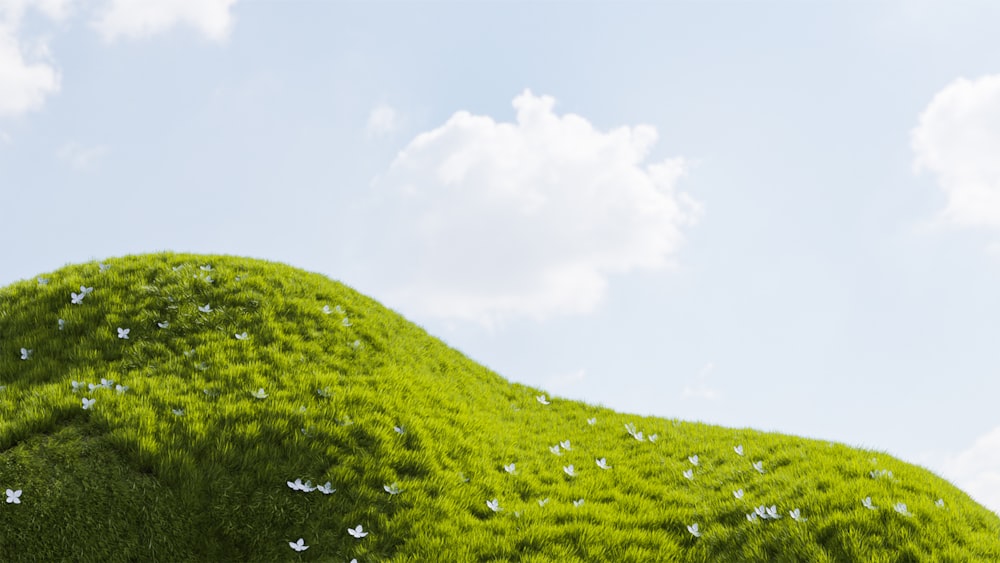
column 778, row 215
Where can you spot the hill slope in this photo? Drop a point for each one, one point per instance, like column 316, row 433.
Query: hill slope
column 215, row 381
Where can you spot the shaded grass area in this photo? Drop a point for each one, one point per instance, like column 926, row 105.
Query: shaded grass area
column 190, row 462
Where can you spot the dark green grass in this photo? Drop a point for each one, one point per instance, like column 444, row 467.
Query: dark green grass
column 188, row 465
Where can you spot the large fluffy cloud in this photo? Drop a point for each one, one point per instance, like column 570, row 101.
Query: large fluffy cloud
column 27, row 74
column 139, row 18
column 482, row 220
column 977, row 470
column 958, row 139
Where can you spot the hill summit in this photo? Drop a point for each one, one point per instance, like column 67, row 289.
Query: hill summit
column 176, row 407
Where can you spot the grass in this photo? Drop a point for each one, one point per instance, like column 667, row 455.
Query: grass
column 187, row 464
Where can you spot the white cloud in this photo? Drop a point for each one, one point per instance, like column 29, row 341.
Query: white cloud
column 977, row 470
column 700, row 389
column 381, row 121
column 140, row 18
column 27, row 75
column 482, row 221
column 81, row 157
column 958, row 140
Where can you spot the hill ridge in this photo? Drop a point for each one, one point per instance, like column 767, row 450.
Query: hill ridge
column 214, row 382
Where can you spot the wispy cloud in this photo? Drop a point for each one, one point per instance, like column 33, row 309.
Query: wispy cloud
column 957, row 139
column 976, row 470
column 27, row 74
column 381, row 121
column 483, row 221
column 131, row 19
column 699, row 388
column 81, row 157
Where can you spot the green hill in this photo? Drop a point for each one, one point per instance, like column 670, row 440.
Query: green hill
column 236, row 377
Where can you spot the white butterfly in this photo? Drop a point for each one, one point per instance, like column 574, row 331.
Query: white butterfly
column 761, row 511
column 689, row 474
column 693, row 528
column 107, row 383
column 123, row 332
column 555, row 449
column 939, row 502
column 163, row 324
column 324, row 392
column 772, row 513
column 591, row 421
column 399, row 429
column 87, row 403
column 797, row 515
column 565, row 445
column 738, row 493
column 693, row 459
column 13, row 497
column 296, row 485
column 542, row 399
column 242, row 336
column 62, row 324
column 308, row 486
column 103, row 267
column 509, row 468
column 867, row 502
column 759, row 466
column 260, row 394
column 603, row 463
column 880, row 473
column 206, row 309
column 206, row 268
column 208, row 279
column 543, row 502
column 346, row 321
column 178, row 412
column 326, row 489
column 43, row 281
column 86, row 290
column 578, row 502
column 357, row 532
column 752, row 517
column 326, row 309
column 339, row 309
column 494, row 505
column 901, row 508
column 77, row 298
column 26, row 353
column 356, row 344
column 738, row 449
column 299, row 545
column 630, row 428
column 76, row 385
column 653, row 437
column 392, row 489
column 570, row 470
column 121, row 388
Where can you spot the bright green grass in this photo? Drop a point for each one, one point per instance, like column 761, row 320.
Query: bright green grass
column 130, row 480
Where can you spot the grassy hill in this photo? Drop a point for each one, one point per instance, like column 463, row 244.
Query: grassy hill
column 212, row 382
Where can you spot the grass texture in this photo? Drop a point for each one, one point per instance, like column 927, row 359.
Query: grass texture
column 195, row 432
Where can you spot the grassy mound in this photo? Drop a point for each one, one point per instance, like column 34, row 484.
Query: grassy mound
column 211, row 383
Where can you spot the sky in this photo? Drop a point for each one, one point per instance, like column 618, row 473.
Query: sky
column 759, row 214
